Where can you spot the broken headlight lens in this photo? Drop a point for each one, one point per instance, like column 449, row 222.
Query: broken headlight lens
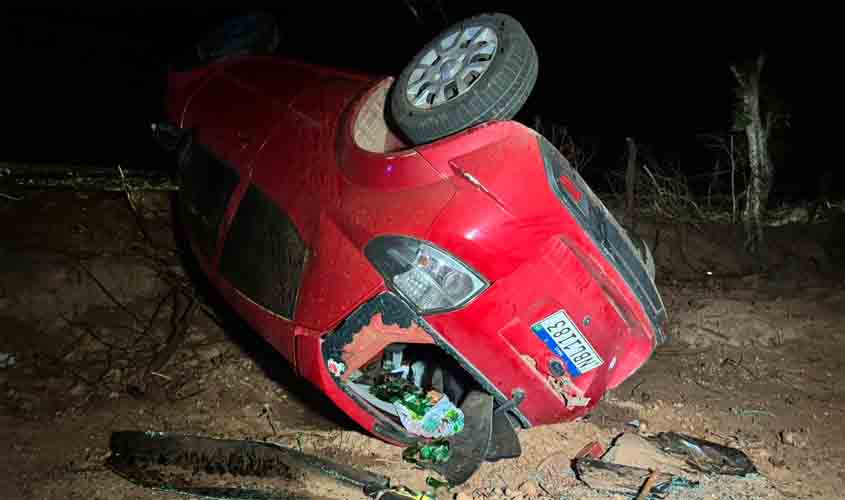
column 429, row 278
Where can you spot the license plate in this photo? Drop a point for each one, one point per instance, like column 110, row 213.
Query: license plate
column 560, row 334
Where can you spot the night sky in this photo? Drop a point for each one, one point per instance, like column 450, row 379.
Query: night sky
column 84, row 85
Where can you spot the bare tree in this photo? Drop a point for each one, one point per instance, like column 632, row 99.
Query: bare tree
column 725, row 145
column 749, row 118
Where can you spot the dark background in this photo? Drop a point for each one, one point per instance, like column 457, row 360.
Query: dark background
column 83, row 85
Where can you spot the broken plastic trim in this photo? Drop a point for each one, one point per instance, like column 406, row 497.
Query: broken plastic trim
column 625, row 480
column 147, row 458
column 395, row 310
column 706, row 456
column 479, row 377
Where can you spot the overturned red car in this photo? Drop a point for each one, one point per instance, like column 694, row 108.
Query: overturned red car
column 373, row 224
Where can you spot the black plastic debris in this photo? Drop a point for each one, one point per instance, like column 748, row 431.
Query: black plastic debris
column 705, row 456
column 204, row 467
column 470, row 447
column 504, row 443
column 653, row 466
column 626, row 480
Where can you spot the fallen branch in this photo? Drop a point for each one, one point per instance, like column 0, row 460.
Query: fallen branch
column 108, row 293
column 138, row 219
column 84, row 178
column 177, row 336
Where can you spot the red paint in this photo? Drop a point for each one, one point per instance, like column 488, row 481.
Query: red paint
column 482, row 195
column 570, row 187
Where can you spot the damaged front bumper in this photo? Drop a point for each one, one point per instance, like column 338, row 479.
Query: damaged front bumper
column 374, row 329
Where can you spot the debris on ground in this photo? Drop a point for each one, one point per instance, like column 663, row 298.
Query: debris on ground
column 436, row 452
column 7, row 360
column 626, row 480
column 705, row 456
column 199, row 466
column 633, row 450
column 653, row 466
column 635, row 424
column 427, row 414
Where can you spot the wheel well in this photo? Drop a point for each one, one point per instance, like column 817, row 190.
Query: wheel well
column 371, row 129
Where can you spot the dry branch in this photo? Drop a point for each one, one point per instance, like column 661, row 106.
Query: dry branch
column 631, row 182
column 84, row 178
column 180, row 321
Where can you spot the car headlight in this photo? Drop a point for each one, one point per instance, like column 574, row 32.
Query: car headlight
column 427, row 277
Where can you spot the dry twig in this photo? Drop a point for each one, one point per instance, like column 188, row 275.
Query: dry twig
column 108, row 293
column 177, row 335
column 649, row 484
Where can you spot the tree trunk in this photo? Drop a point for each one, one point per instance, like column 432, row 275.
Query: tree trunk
column 759, row 160
column 84, row 178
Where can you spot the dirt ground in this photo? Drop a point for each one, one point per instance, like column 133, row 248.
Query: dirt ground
column 101, row 332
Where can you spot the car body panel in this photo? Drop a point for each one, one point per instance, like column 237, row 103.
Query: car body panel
column 483, row 195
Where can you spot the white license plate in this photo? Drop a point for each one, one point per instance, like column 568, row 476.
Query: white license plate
column 560, row 334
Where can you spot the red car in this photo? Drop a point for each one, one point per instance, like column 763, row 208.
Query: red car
column 370, row 224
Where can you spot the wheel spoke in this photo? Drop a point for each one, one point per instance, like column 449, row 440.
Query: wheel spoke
column 450, row 41
column 414, row 88
column 476, row 67
column 440, row 97
column 422, row 100
column 482, row 32
column 488, row 50
column 467, row 35
column 462, row 84
column 428, row 59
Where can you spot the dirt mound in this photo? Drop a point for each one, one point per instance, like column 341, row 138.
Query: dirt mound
column 736, row 322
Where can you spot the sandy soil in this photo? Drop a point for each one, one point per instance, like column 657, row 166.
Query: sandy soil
column 99, row 322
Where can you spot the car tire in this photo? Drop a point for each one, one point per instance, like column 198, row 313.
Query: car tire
column 254, row 33
column 467, row 82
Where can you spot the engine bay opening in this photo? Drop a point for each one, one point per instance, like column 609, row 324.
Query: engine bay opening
column 394, row 367
column 406, row 368
column 384, row 359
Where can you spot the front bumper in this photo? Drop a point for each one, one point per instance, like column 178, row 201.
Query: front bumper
column 392, row 310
